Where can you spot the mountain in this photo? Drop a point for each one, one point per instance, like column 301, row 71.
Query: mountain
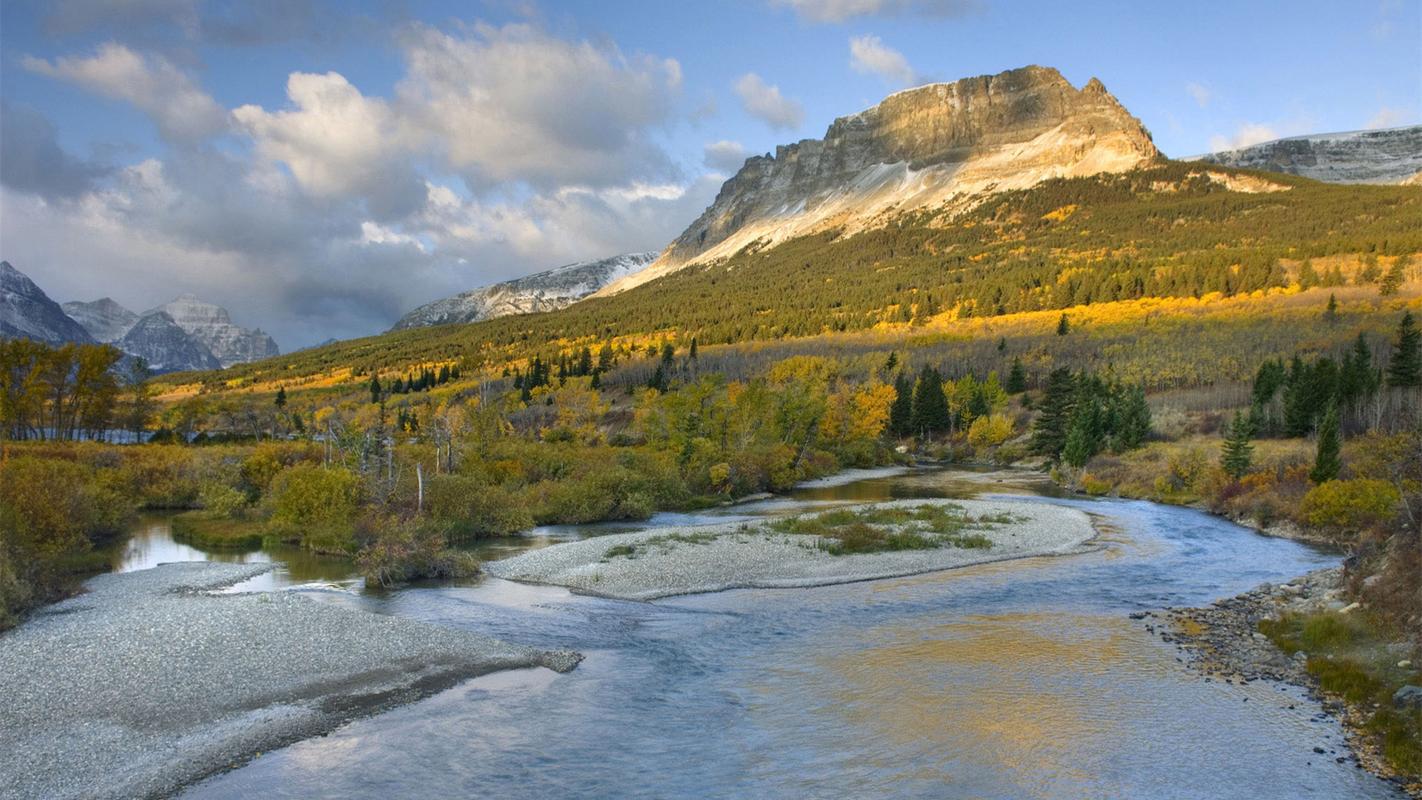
column 211, row 326
column 26, row 312
column 165, row 346
column 1392, row 155
column 942, row 147
column 104, row 319
column 543, row 291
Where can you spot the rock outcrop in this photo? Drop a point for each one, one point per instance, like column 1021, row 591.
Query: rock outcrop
column 165, row 346
column 1391, row 155
column 543, row 291
column 211, row 326
column 104, row 319
column 26, row 312
column 942, row 147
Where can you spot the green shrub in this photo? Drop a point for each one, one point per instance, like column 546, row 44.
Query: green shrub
column 315, row 507
column 471, row 508
column 407, row 551
column 201, row 529
column 1350, row 505
column 220, row 500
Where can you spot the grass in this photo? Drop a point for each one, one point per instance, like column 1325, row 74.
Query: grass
column 887, row 529
column 663, row 542
column 216, row 533
column 1348, row 656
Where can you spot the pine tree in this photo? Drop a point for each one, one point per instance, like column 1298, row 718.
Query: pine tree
column 1058, row 398
column 1330, row 314
column 1238, row 452
column 1016, row 378
column 1080, row 445
column 692, row 352
column 374, row 389
column 1002, row 344
column 1131, row 419
column 1063, row 326
column 280, row 401
column 658, row 380
column 930, row 406
column 1326, row 463
column 1405, row 367
column 901, row 411
column 1392, row 281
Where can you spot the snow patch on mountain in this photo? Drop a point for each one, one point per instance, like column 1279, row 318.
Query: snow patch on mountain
column 26, row 312
column 1389, row 155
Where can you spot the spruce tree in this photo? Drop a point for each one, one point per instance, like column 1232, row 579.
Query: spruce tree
column 692, row 352
column 1326, row 463
column 1404, row 369
column 280, row 401
column 901, row 411
column 1058, row 398
column 1330, row 314
column 1016, row 378
column 1080, row 445
column 930, row 406
column 374, row 389
column 1063, row 326
column 1132, row 419
column 1238, row 452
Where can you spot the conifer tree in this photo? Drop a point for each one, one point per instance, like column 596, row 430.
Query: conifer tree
column 1404, row 369
column 374, row 389
column 1326, row 462
column 1058, row 398
column 930, row 406
column 1237, row 452
column 1330, row 314
column 1016, row 378
column 280, row 401
column 901, row 411
column 1080, row 444
column 1063, row 326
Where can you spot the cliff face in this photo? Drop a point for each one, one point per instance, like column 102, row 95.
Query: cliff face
column 1392, row 155
column 165, row 346
column 543, row 291
column 104, row 319
column 941, row 146
column 211, row 326
column 26, row 312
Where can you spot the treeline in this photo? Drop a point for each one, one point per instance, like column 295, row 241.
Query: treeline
column 67, row 392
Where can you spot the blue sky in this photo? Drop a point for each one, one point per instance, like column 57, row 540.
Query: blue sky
column 321, row 167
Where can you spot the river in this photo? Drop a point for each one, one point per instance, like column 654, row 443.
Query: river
column 1021, row 679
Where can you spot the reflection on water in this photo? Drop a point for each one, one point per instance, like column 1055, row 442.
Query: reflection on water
column 1020, row 679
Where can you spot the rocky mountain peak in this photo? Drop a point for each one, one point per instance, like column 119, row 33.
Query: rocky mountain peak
column 212, row 327
column 26, row 312
column 105, row 319
column 942, row 146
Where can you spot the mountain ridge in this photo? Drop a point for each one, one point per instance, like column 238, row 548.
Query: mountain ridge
column 1384, row 155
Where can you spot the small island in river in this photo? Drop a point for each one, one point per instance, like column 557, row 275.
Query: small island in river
column 882, row 540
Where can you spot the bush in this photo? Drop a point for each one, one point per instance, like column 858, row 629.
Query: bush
column 406, row 551
column 315, row 507
column 220, row 500
column 471, row 508
column 1350, row 505
column 989, row 431
column 200, row 529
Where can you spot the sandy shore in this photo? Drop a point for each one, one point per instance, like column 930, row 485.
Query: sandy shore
column 146, row 683
column 713, row 558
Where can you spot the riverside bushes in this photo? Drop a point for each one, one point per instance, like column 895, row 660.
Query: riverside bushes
column 315, row 507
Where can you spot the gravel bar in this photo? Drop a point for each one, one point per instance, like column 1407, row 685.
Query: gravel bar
column 148, row 683
column 713, row 558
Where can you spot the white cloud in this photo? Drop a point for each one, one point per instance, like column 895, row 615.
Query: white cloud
column 1199, row 93
column 725, row 156
column 337, row 142
column 841, row 10
column 764, row 101
column 1387, row 117
column 181, row 110
column 870, row 56
column 1250, row 133
column 514, row 103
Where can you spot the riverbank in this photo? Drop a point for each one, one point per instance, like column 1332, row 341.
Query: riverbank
column 1225, row 641
column 149, row 682
column 713, row 558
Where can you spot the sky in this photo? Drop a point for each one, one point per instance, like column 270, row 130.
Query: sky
column 321, row 167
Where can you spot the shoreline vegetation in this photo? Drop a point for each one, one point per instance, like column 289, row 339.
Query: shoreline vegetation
column 844, row 545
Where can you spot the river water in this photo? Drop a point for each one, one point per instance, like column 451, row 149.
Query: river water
column 1022, row 679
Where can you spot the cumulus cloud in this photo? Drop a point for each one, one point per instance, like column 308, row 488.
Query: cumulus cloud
column 32, row 161
column 1250, row 133
column 338, row 142
column 841, row 10
column 514, row 103
column 725, row 156
column 870, row 56
column 182, row 111
column 1199, row 93
column 764, row 102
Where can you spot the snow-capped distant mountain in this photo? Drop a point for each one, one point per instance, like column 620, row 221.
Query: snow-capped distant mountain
column 543, row 291
column 104, row 319
column 26, row 312
column 1391, row 155
column 212, row 326
column 158, row 340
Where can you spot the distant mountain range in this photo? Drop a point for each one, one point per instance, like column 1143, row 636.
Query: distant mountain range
column 1390, row 155
column 543, row 291
column 185, row 334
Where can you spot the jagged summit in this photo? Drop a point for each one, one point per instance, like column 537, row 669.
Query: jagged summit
column 941, row 146
column 212, row 326
column 26, row 312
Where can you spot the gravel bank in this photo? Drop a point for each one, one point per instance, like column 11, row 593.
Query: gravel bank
column 1223, row 642
column 146, row 683
column 713, row 558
